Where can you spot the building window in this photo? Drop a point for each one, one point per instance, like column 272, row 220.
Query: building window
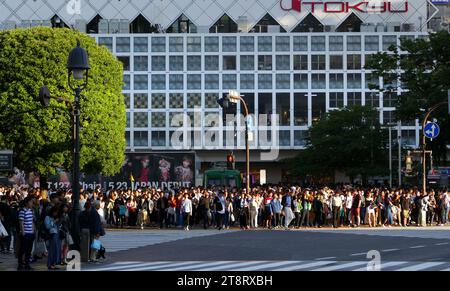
column 140, row 119
column 336, row 62
column 212, row 81
column 182, row 25
column 247, row 81
column 211, row 44
column 264, row 43
column 194, row 82
column 140, row 100
column 125, row 62
column 372, row 81
column 247, row 44
column 388, row 41
column 300, row 109
column 353, row 98
column 265, row 105
column 336, row 99
column 176, row 82
column 317, row 62
column 265, row 63
column 141, row 25
column 301, row 62
column 309, row 24
column 158, row 138
column 140, row 82
column 211, row 99
column 140, row 138
column 158, row 63
column 283, row 43
column 176, row 63
column 126, row 82
column 127, row 138
column 317, row 43
column 318, row 106
column 158, row 101
column 354, row 81
column 194, row 63
column 283, row 62
column 194, row 44
column 224, row 25
column 266, row 22
column 158, row 82
column 158, row 44
column 247, row 63
column 106, row 41
column 176, row 100
column 285, row 138
column 123, row 44
column 229, row 81
column 336, row 43
column 318, row 81
column 265, row 81
column 371, row 43
column 353, row 43
column 141, row 63
column 127, row 99
column 229, row 63
column 336, row 81
column 283, row 108
column 390, row 99
column 372, row 99
column 300, row 138
column 229, row 44
column 353, row 62
column 211, row 63
column 300, row 43
column 300, row 81
column 389, row 117
column 283, row 81
column 194, row 100
column 176, row 44
column 140, row 44
column 158, row 119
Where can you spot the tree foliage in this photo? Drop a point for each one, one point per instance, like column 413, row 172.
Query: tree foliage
column 423, row 68
column 349, row 140
column 41, row 137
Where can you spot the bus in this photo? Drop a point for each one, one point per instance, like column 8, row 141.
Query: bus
column 222, row 177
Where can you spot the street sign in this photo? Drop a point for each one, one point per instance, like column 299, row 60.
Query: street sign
column 6, row 160
column 431, row 130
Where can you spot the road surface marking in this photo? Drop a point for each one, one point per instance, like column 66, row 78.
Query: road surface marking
column 264, row 266
column 358, row 254
column 305, row 266
column 343, row 266
column 416, row 247
column 161, row 267
column 194, row 267
column 389, row 250
column 228, row 267
column 441, row 244
column 421, row 266
column 384, row 265
column 115, row 267
column 324, row 259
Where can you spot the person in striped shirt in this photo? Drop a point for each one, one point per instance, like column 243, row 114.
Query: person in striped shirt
column 27, row 234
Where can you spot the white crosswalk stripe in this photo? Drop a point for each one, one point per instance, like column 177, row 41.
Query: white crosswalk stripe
column 241, row 266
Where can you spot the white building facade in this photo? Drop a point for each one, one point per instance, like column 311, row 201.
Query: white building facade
column 294, row 58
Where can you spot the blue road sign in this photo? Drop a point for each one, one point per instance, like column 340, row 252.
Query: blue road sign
column 431, row 130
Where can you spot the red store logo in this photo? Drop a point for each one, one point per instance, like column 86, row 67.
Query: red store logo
column 345, row 6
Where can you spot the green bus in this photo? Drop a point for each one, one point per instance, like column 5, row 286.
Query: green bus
column 222, row 177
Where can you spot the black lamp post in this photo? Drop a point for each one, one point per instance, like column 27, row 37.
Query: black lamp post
column 78, row 73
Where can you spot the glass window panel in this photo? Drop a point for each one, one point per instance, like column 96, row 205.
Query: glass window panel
column 123, row 44
column 127, row 138
column 247, row 44
column 317, row 62
column 140, row 119
column 318, row 106
column 300, row 81
column 141, row 63
column 158, row 82
column 283, row 43
column 211, row 100
column 300, row 138
column 336, row 62
column 264, row 43
column 229, row 63
column 265, row 81
column 176, row 63
column 176, row 100
column 158, row 44
column 300, row 109
column 140, row 44
column 318, row 81
column 194, row 63
column 175, row 44
column 353, row 62
column 301, row 62
column 194, row 100
column 336, row 43
column 158, row 119
column 300, row 43
column 283, row 108
column 247, row 63
column 158, row 138
column 372, row 99
column 317, row 43
column 283, row 62
column 126, row 97
column 176, row 82
column 371, row 42
column 265, row 63
column 353, row 43
column 158, row 63
column 212, row 81
column 229, row 81
column 126, row 82
column 389, row 40
column 106, row 41
column 354, row 98
column 354, row 81
column 158, row 101
column 125, row 62
column 211, row 44
column 194, row 44
column 140, row 100
column 140, row 138
column 194, row 82
column 283, row 81
column 247, row 81
column 336, row 81
column 211, row 63
column 229, row 44
column 140, row 82
column 336, row 99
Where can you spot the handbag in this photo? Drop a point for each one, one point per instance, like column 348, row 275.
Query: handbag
column 3, row 232
column 69, row 239
column 232, row 217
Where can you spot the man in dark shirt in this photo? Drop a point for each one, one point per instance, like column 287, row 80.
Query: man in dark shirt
column 161, row 205
column 405, row 202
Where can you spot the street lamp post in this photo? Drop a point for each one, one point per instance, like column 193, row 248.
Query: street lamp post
column 78, row 67
column 235, row 97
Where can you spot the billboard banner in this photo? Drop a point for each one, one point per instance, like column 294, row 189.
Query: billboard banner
column 158, row 170
column 6, row 160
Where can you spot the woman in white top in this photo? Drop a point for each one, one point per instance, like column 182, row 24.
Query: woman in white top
column 186, row 208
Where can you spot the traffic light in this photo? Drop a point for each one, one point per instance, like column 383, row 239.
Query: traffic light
column 409, row 163
column 230, row 162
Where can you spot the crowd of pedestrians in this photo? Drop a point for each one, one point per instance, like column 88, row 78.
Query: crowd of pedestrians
column 38, row 221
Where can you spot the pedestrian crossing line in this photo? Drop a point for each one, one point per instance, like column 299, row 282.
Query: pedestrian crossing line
column 343, row 266
column 389, row 250
column 242, row 266
column 422, row 266
column 358, row 254
column 384, row 265
column 306, row 266
column 324, row 259
column 271, row 265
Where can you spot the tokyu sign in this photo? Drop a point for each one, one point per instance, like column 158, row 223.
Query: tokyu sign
column 371, row 6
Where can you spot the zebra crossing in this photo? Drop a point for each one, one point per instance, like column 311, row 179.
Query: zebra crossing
column 122, row 240
column 241, row 266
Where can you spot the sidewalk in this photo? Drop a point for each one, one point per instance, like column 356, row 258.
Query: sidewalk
column 8, row 262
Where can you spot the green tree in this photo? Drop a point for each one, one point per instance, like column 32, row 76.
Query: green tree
column 349, row 140
column 422, row 66
column 41, row 137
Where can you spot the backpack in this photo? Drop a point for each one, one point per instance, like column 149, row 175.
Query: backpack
column 218, row 204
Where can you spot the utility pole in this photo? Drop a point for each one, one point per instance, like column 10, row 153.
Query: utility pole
column 399, row 141
column 390, row 157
